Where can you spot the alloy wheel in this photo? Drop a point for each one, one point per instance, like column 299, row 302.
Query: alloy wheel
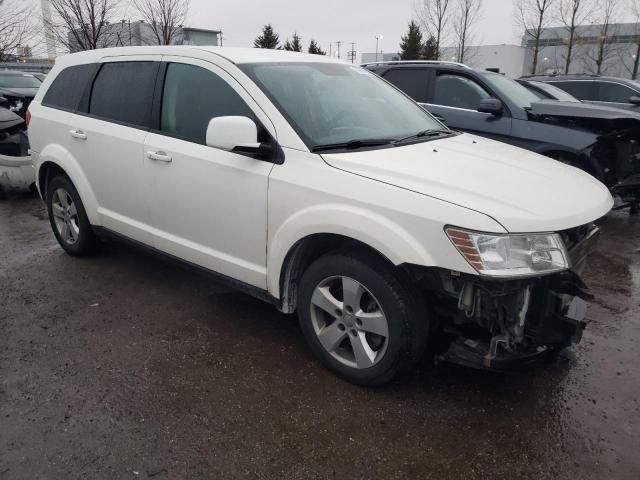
column 349, row 322
column 65, row 215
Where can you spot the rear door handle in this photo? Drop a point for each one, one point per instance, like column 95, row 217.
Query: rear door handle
column 159, row 157
column 79, row 134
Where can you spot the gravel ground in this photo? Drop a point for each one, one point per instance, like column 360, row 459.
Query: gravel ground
column 125, row 365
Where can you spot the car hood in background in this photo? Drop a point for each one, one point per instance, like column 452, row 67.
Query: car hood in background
column 9, row 119
column 558, row 108
column 19, row 92
column 523, row 191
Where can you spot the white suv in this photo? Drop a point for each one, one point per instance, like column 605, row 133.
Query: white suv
column 318, row 186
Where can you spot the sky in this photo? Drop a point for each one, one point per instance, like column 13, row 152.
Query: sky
column 329, row 21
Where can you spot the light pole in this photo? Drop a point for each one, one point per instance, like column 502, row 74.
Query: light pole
column 378, row 38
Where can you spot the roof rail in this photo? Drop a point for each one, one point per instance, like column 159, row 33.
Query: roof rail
column 407, row 62
column 560, row 74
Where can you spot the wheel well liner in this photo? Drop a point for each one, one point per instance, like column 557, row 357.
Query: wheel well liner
column 48, row 170
column 304, row 252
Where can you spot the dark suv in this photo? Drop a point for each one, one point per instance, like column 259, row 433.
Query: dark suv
column 612, row 91
column 601, row 140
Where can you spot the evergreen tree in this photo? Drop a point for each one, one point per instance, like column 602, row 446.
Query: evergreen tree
column 411, row 47
column 268, row 39
column 295, row 45
column 430, row 49
column 315, row 48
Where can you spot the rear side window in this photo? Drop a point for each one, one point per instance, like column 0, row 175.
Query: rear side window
column 67, row 88
column 412, row 81
column 614, row 92
column 192, row 96
column 123, row 92
column 582, row 90
column 457, row 91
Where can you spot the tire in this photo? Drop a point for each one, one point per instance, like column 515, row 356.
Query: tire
column 68, row 218
column 381, row 295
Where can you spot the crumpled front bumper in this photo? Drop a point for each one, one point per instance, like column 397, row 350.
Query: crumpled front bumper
column 555, row 320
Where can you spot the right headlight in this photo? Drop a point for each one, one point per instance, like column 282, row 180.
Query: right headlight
column 511, row 255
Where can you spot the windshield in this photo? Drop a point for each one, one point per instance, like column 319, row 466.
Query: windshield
column 512, row 90
column 555, row 92
column 19, row 81
column 332, row 103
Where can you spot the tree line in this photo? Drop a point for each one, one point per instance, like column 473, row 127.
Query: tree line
column 534, row 16
column 270, row 39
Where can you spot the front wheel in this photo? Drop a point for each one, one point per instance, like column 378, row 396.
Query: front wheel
column 361, row 318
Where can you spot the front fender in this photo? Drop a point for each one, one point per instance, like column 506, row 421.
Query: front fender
column 370, row 228
column 61, row 157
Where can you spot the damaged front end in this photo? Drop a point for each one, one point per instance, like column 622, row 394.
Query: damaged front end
column 16, row 169
column 502, row 324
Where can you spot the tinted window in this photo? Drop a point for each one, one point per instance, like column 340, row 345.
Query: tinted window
column 581, row 90
column 67, row 88
column 614, row 92
column 457, row 91
column 192, row 96
column 123, row 92
column 412, row 81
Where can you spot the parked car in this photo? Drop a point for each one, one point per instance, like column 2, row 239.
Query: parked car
column 603, row 141
column 16, row 168
column 612, row 91
column 315, row 185
column 18, row 88
column 547, row 91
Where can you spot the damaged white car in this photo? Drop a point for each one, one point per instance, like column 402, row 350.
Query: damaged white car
column 16, row 168
column 317, row 186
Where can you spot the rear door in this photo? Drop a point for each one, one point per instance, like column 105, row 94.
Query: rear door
column 584, row 90
column 209, row 206
column 108, row 140
column 455, row 98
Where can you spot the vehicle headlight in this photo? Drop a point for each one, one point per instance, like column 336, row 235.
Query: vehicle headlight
column 511, row 255
column 15, row 105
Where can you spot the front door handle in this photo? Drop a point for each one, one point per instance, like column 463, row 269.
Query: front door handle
column 79, row 134
column 159, row 157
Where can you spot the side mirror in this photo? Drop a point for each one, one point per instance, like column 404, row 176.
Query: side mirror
column 634, row 100
column 492, row 106
column 230, row 133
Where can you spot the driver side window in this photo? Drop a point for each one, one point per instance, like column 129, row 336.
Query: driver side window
column 457, row 91
column 194, row 95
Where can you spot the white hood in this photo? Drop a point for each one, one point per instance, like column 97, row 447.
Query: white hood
column 523, row 191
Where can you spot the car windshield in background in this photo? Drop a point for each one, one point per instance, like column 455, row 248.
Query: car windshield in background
column 19, row 81
column 512, row 90
column 330, row 104
column 554, row 92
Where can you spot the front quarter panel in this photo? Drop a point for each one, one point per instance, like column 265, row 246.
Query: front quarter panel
column 308, row 196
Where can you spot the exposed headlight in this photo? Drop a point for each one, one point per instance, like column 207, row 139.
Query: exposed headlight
column 511, row 255
column 15, row 106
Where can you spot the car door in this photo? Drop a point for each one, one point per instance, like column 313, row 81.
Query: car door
column 208, row 206
column 454, row 99
column 107, row 140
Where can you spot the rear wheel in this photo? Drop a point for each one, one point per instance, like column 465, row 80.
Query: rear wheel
column 68, row 218
column 361, row 318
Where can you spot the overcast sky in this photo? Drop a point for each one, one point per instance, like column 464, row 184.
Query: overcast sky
column 328, row 21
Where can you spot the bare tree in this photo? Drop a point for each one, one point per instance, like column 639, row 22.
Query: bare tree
column 15, row 27
column 467, row 14
column 433, row 15
column 572, row 13
column 533, row 17
column 606, row 15
column 82, row 24
column 165, row 17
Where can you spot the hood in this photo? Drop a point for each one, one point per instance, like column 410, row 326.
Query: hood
column 557, row 108
column 523, row 191
column 19, row 92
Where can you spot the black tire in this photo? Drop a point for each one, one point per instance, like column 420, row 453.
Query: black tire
column 400, row 302
column 86, row 241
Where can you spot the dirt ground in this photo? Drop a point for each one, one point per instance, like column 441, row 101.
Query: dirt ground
column 125, row 365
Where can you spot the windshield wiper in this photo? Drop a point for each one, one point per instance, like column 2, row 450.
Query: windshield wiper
column 354, row 144
column 432, row 132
